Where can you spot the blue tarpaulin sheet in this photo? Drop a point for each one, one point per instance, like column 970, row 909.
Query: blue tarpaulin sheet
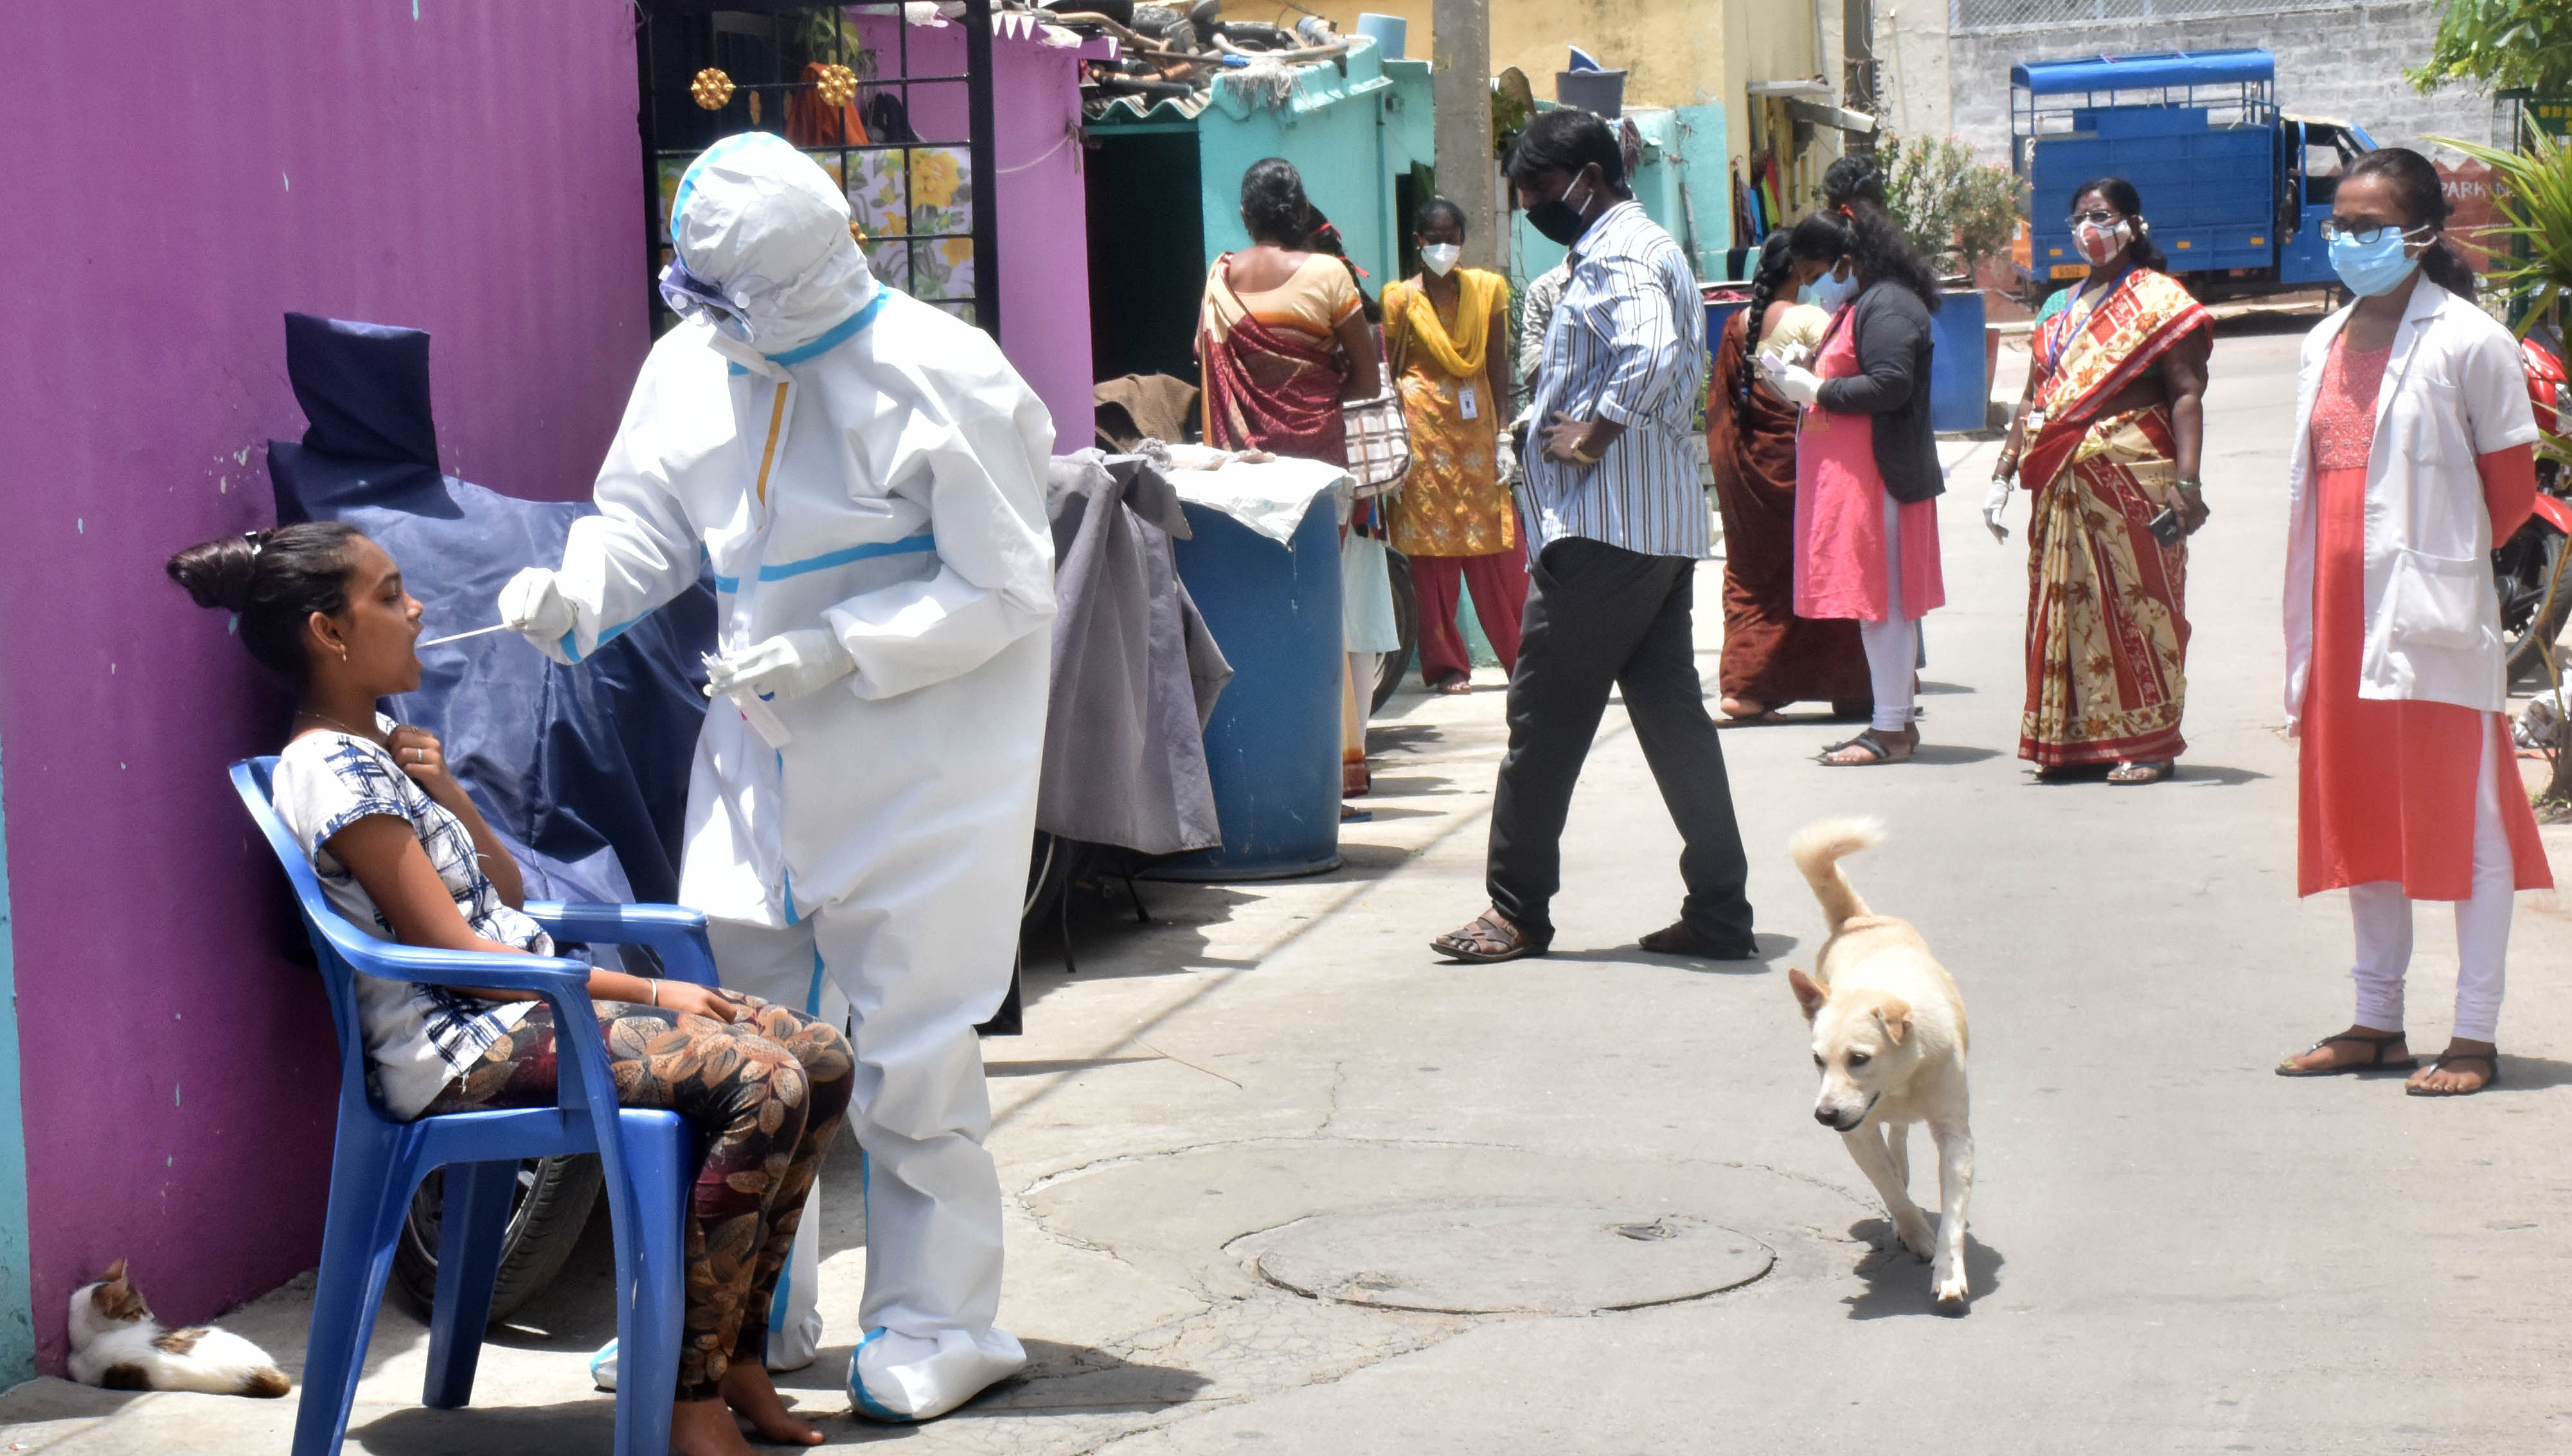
column 584, row 769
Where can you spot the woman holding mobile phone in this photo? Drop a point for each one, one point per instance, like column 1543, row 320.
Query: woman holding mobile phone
column 2108, row 437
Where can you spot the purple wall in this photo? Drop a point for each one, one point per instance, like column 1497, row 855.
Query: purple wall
column 1044, row 253
column 190, row 172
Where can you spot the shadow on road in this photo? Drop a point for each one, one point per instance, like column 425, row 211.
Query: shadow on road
column 1773, row 949
column 1897, row 1283
column 2528, row 1074
column 581, row 1425
column 1951, row 753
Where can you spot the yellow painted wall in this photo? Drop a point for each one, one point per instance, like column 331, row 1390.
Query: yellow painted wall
column 1675, row 52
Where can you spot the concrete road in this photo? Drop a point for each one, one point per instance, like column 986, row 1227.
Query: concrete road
column 1283, row 1182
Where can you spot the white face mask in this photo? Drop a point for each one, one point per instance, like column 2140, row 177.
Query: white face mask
column 1438, row 258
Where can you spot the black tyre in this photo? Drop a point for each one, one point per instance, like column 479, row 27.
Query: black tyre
column 2530, row 573
column 1406, row 624
column 545, row 1218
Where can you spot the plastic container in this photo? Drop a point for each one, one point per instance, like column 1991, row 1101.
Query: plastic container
column 1389, row 31
column 1601, row 93
column 1273, row 745
column 1960, row 381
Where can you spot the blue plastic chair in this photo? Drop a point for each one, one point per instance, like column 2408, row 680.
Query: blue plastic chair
column 650, row 1158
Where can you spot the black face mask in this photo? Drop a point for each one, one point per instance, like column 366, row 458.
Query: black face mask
column 1559, row 220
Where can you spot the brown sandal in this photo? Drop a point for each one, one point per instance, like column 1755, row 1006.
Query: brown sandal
column 2490, row 1060
column 1876, row 750
column 2376, row 1041
column 1489, row 940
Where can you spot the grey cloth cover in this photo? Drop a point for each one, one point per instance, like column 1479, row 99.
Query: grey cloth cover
column 1135, row 673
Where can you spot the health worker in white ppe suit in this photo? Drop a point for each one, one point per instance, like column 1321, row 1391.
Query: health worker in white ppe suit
column 865, row 475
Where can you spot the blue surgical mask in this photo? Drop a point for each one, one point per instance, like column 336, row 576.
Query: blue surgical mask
column 2377, row 268
column 1828, row 293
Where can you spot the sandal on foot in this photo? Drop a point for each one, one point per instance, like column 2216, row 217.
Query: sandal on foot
column 2134, row 774
column 1455, row 686
column 2376, row 1041
column 1489, row 940
column 1876, row 751
column 2491, row 1063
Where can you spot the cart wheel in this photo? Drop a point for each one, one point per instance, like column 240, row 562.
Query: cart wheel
column 1406, row 624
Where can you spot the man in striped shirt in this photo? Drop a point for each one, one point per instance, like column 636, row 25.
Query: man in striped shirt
column 1617, row 523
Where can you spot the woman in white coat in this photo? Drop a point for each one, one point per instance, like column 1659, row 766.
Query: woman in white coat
column 2412, row 455
column 865, row 475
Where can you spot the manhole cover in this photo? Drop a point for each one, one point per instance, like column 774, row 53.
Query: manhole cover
column 1499, row 1259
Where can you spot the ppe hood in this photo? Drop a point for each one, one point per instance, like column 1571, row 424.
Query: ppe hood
column 766, row 224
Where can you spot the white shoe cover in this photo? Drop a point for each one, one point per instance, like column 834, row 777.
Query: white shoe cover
column 907, row 1377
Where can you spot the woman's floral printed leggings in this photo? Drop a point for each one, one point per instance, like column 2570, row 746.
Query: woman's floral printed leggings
column 767, row 1092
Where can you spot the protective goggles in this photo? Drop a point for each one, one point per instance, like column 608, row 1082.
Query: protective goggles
column 689, row 296
column 2333, row 229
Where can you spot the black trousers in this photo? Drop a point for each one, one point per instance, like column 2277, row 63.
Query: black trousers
column 1601, row 617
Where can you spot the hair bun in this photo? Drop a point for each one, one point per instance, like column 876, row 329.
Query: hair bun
column 218, row 573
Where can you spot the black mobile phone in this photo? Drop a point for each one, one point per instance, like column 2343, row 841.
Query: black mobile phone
column 2166, row 527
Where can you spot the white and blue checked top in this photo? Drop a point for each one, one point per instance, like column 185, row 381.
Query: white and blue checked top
column 1627, row 345
column 419, row 1037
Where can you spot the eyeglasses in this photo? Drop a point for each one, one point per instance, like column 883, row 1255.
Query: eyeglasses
column 2101, row 215
column 2333, row 229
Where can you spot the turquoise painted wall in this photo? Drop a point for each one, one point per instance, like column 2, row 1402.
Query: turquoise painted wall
column 1680, row 185
column 1331, row 129
column 17, row 1315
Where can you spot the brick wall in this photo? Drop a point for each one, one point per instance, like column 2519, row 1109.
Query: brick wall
column 2344, row 62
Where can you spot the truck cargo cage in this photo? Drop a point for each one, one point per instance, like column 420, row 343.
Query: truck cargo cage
column 2197, row 134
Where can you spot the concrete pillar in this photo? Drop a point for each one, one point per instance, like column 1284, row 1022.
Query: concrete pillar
column 1460, row 86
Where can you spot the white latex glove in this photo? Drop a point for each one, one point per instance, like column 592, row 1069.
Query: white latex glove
column 1996, row 505
column 1797, row 383
column 784, row 667
column 532, row 604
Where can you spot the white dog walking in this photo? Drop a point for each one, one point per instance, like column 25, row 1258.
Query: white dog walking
column 1889, row 1037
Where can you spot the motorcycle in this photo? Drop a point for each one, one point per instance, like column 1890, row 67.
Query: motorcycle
column 2530, row 569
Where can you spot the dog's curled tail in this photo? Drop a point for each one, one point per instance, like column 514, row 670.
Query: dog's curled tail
column 1816, row 850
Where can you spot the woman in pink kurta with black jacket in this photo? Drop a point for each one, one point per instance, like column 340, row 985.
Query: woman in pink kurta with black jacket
column 1867, row 478
column 2413, row 454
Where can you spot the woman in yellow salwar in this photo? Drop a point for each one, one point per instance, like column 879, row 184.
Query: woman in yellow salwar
column 1446, row 335
column 2108, row 438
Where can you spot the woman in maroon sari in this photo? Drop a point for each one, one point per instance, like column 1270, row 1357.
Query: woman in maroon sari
column 1283, row 334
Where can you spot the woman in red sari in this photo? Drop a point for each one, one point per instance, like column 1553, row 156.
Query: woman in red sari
column 2108, row 437
column 1283, row 335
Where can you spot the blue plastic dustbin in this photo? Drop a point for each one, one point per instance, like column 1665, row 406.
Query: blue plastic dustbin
column 1960, row 384
column 1273, row 745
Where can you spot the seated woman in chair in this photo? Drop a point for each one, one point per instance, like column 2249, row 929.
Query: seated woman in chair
column 402, row 853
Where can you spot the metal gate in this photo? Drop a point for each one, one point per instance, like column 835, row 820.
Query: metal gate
column 911, row 147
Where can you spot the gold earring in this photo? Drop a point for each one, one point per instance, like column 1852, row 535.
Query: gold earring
column 344, row 652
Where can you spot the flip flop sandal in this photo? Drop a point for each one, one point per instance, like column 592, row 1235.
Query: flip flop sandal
column 2490, row 1060
column 1868, row 744
column 2377, row 1042
column 1489, row 940
column 2135, row 775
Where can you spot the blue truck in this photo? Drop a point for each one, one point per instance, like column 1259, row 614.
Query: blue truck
column 2234, row 188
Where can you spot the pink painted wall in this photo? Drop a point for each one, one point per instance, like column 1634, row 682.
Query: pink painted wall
column 183, row 174
column 1044, row 254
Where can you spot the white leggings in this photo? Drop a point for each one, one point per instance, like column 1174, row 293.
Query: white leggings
column 2383, row 915
column 1893, row 644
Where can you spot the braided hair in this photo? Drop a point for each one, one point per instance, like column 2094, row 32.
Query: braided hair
column 1775, row 265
